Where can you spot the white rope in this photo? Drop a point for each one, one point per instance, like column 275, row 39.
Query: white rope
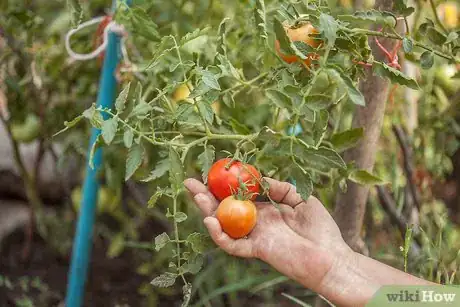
column 111, row 26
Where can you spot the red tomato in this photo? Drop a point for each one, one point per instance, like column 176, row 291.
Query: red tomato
column 237, row 217
column 222, row 182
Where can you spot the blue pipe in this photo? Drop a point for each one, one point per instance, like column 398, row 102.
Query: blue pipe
column 84, row 233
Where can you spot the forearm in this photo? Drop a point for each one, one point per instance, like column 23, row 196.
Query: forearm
column 354, row 279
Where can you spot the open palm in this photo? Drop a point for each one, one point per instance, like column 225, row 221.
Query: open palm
column 298, row 232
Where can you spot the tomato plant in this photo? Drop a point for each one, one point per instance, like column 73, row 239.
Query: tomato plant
column 227, row 177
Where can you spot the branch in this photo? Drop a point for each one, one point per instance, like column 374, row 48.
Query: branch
column 407, row 163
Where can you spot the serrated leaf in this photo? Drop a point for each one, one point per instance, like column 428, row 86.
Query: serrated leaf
column 120, row 102
column 154, row 198
column 286, row 45
column 221, row 31
column 260, row 19
column 141, row 109
column 210, row 79
column 320, row 126
column 365, row 178
column 407, row 44
column 161, row 240
column 346, row 139
column 280, row 99
column 199, row 242
column 194, row 264
column 109, row 129
column 143, row 25
column 371, row 17
column 128, row 137
column 206, row 159
column 303, row 182
column 179, row 217
column 206, row 111
column 353, row 93
column 176, row 172
column 161, row 168
column 427, row 60
column 185, row 112
column 194, row 35
column 328, row 26
column 164, row 280
column 394, row 75
column 323, row 158
column 134, row 160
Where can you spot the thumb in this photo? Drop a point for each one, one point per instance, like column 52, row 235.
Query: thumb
column 283, row 192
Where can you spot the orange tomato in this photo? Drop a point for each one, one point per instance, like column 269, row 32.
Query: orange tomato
column 237, row 217
column 301, row 34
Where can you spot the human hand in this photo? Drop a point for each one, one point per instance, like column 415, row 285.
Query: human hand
column 301, row 239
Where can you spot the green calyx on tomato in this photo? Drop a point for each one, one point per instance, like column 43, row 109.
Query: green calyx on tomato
column 228, row 177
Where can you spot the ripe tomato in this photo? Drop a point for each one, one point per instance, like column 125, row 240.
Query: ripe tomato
column 299, row 34
column 237, row 217
column 222, row 181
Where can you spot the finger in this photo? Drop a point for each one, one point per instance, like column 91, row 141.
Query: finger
column 240, row 247
column 283, row 192
column 203, row 198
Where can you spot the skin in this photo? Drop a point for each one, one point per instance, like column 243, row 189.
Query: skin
column 303, row 242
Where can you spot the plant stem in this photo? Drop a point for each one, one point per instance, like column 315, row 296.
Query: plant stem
column 243, row 85
column 436, row 17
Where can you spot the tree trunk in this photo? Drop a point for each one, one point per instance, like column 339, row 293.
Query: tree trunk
column 350, row 206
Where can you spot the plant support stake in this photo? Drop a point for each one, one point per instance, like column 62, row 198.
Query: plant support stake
column 84, row 232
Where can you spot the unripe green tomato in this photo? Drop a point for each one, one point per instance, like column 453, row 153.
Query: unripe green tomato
column 28, row 130
column 106, row 200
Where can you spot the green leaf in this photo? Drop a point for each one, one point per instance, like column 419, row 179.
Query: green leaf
column 121, row 99
column 318, row 102
column 76, row 12
column 401, row 8
column 194, row 35
column 395, row 76
column 143, row 25
column 206, row 111
column 134, row 160
column 128, row 137
column 116, row 246
column 200, row 243
column 303, row 182
column 210, row 79
column 193, row 265
column 260, row 19
column 206, row 159
column 161, row 168
column 407, row 44
column 185, row 112
column 94, row 116
column 280, row 99
column 164, row 280
column 427, row 60
column 371, row 17
column 320, row 126
column 154, row 198
column 161, row 240
column 222, row 30
column 365, row 178
column 109, row 129
column 176, row 172
column 286, row 46
column 179, row 217
column 353, row 93
column 328, row 26
column 451, row 37
column 322, row 158
column 141, row 109
column 92, row 152
column 346, row 139
column 435, row 36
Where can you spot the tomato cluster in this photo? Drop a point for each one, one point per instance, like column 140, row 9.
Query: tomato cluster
column 228, row 178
